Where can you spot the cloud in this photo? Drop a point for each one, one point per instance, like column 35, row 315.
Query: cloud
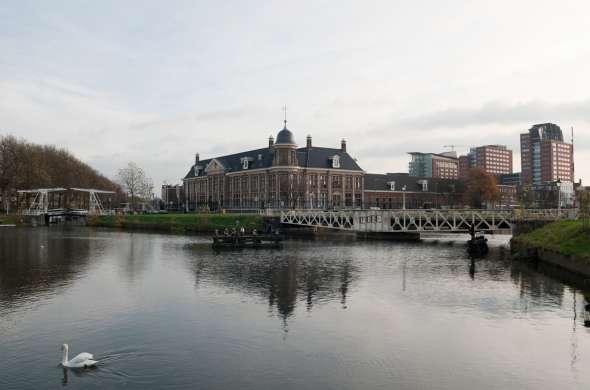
column 494, row 112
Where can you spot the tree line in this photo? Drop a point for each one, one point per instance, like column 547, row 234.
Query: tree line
column 25, row 165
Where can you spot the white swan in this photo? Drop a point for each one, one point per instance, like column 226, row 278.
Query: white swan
column 83, row 360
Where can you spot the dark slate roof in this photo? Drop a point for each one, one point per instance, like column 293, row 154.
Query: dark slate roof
column 285, row 136
column 379, row 182
column 314, row 157
column 317, row 157
column 544, row 131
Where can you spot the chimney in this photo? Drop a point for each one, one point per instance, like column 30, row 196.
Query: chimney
column 197, row 159
column 308, row 141
column 271, row 141
column 343, row 145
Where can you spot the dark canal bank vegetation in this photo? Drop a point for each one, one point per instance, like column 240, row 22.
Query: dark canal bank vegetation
column 197, row 223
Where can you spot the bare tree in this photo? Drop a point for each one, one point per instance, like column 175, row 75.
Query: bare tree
column 135, row 182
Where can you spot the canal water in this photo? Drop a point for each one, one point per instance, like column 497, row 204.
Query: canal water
column 166, row 311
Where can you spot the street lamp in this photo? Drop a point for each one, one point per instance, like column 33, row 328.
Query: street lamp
column 404, row 197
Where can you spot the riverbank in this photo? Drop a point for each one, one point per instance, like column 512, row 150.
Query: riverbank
column 8, row 220
column 564, row 244
column 179, row 223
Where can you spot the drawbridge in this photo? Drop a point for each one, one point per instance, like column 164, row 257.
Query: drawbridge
column 55, row 202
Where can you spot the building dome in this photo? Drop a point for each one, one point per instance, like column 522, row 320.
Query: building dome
column 285, row 136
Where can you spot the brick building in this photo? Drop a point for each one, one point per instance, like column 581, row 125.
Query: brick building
column 493, row 159
column 545, row 157
column 464, row 166
column 400, row 190
column 172, row 197
column 433, row 165
column 281, row 175
column 508, row 195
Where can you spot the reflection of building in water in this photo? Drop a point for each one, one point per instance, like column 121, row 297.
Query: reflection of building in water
column 283, row 288
column 136, row 250
column 283, row 281
column 536, row 285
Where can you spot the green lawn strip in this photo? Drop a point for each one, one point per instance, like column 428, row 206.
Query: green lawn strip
column 565, row 237
column 179, row 222
column 8, row 220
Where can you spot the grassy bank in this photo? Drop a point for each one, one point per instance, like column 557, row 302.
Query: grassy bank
column 564, row 237
column 9, row 220
column 204, row 223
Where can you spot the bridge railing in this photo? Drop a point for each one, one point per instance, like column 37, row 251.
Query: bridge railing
column 420, row 220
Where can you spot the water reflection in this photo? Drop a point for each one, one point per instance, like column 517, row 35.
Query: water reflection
column 168, row 312
column 284, row 280
column 35, row 265
column 138, row 252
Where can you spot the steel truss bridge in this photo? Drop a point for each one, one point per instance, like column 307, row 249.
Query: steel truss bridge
column 421, row 221
column 39, row 203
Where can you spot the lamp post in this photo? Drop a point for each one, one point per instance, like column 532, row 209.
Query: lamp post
column 404, row 197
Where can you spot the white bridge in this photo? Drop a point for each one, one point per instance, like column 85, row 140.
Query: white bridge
column 419, row 221
column 39, row 202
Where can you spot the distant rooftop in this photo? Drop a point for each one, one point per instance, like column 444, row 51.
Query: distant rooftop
column 452, row 155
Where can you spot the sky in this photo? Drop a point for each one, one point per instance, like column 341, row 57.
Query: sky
column 155, row 82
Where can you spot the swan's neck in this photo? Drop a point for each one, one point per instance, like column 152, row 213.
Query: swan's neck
column 65, row 356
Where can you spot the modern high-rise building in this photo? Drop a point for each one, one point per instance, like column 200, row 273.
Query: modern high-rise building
column 432, row 165
column 464, row 165
column 545, row 157
column 493, row 159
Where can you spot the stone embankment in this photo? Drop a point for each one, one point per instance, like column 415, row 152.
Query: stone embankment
column 565, row 244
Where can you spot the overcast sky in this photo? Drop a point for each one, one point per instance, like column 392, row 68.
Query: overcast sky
column 156, row 82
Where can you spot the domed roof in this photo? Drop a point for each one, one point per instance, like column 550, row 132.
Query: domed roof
column 285, row 136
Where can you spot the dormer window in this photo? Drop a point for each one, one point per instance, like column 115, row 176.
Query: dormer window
column 246, row 162
column 424, row 184
column 391, row 185
column 336, row 161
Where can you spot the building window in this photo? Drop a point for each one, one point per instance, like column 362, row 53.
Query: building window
column 323, row 197
column 424, row 184
column 336, row 200
column 336, row 161
column 348, row 199
column 336, row 181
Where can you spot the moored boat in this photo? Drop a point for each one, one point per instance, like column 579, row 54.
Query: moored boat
column 247, row 241
column 477, row 246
